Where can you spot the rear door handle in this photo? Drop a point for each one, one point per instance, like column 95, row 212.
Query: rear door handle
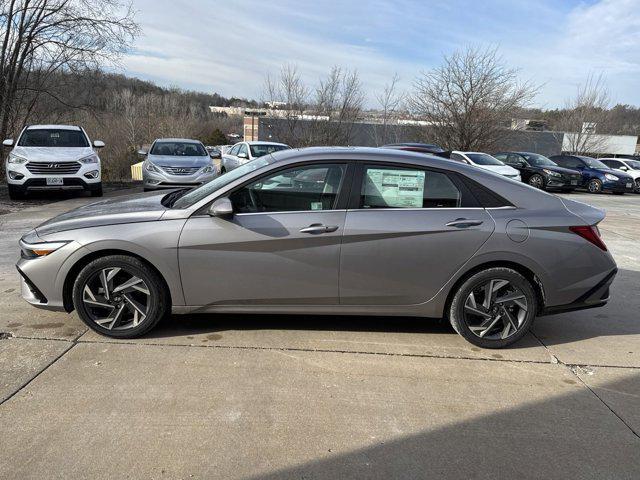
column 318, row 228
column 464, row 223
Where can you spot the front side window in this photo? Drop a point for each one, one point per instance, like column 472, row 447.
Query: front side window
column 259, row 150
column 483, row 159
column 633, row 164
column 312, row 187
column 178, row 149
column 234, row 150
column 593, row 163
column 53, row 137
column 387, row 187
column 539, row 160
column 242, row 149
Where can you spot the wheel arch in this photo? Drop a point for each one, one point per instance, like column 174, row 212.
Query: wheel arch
column 526, row 272
column 72, row 274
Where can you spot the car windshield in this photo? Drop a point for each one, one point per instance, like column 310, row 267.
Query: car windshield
column 194, row 196
column 593, row 163
column 178, row 149
column 483, row 159
column 258, row 150
column 53, row 137
column 633, row 164
column 538, row 160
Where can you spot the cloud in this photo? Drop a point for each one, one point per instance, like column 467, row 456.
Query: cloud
column 229, row 47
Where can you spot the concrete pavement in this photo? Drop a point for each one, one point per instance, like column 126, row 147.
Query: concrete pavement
column 322, row 397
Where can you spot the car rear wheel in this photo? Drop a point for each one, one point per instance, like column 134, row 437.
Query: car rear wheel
column 537, row 181
column 493, row 308
column 594, row 186
column 120, row 296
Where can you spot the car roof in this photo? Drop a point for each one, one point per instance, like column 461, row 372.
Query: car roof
column 53, row 127
column 185, row 140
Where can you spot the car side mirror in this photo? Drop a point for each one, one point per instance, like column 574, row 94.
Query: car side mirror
column 222, row 208
column 242, row 155
column 623, row 168
column 98, row 144
column 8, row 142
column 142, row 153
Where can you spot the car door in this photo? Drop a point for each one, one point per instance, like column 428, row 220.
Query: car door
column 407, row 232
column 516, row 161
column 280, row 247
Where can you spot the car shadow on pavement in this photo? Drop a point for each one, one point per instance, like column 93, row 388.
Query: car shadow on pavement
column 618, row 317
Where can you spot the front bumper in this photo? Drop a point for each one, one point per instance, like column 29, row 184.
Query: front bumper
column 22, row 177
column 155, row 180
column 620, row 186
column 564, row 181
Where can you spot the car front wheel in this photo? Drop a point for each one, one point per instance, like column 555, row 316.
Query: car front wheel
column 636, row 185
column 537, row 181
column 493, row 308
column 594, row 186
column 120, row 296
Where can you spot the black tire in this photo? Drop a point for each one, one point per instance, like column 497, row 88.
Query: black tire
column 594, row 186
column 223, row 171
column 158, row 306
column 97, row 191
column 457, row 308
column 636, row 185
column 536, row 180
column 16, row 192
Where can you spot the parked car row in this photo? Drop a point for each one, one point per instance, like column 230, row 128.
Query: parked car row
column 559, row 172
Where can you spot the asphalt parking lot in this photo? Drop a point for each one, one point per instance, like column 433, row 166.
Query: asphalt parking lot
column 228, row 396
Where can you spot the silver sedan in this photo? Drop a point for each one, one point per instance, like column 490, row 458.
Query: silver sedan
column 326, row 231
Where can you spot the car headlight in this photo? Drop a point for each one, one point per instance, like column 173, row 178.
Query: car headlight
column 608, row 176
column 150, row 167
column 13, row 158
column 93, row 158
column 40, row 249
column 551, row 173
column 207, row 169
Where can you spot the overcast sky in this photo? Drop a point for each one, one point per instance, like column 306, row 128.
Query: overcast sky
column 229, row 46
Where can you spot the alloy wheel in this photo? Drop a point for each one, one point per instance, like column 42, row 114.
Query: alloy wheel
column 594, row 186
column 536, row 181
column 637, row 186
column 495, row 309
column 116, row 299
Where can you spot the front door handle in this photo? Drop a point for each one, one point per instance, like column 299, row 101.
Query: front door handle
column 464, row 223
column 318, row 228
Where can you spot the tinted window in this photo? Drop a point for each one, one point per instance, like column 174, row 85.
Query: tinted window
column 513, row 159
column 593, row 163
column 51, row 137
column 178, row 149
column 567, row 162
column 314, row 187
column 633, row 164
column 260, row 150
column 538, row 160
column 387, row 187
column 501, row 156
column 458, row 157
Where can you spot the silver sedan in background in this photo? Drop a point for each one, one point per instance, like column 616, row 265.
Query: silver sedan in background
column 350, row 231
column 176, row 162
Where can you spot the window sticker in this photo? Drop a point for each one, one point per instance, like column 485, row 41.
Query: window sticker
column 316, row 205
column 398, row 188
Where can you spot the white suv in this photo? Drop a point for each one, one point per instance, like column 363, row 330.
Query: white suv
column 53, row 157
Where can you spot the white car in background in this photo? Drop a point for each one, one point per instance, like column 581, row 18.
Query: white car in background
column 244, row 152
column 53, row 157
column 628, row 166
column 487, row 162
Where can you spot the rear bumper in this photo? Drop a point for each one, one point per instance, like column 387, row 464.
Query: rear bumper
column 597, row 296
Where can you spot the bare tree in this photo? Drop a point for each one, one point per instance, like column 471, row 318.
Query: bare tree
column 289, row 90
column 389, row 101
column 43, row 37
column 584, row 115
column 468, row 99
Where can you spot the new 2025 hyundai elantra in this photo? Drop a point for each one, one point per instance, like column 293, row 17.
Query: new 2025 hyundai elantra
column 326, row 231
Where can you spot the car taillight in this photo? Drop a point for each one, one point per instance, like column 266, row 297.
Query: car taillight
column 591, row 234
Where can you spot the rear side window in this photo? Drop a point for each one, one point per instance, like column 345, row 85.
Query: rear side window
column 51, row 137
column 567, row 162
column 389, row 187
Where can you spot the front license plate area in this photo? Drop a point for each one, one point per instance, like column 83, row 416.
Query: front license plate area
column 55, row 181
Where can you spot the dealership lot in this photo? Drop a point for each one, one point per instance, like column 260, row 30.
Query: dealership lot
column 321, row 397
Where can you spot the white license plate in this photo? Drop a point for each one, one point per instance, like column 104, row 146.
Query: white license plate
column 55, row 181
column 574, row 182
column 629, row 185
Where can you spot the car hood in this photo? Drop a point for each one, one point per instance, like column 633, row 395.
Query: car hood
column 57, row 154
column 501, row 169
column 617, row 173
column 175, row 161
column 124, row 209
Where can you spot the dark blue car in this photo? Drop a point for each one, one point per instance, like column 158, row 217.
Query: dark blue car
column 596, row 176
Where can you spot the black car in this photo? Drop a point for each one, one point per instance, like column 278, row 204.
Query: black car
column 541, row 172
column 420, row 147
